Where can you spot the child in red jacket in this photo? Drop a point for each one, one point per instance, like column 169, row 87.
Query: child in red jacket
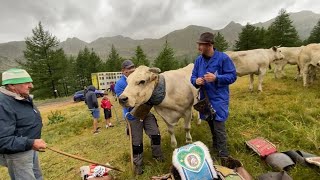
column 106, row 106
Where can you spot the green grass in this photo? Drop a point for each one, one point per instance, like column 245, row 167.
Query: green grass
column 285, row 113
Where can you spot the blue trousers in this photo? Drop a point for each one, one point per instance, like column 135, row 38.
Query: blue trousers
column 22, row 165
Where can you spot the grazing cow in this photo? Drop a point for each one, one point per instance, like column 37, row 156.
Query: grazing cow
column 308, row 60
column 291, row 55
column 177, row 102
column 254, row 61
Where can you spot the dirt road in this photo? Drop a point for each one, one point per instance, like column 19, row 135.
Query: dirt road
column 56, row 104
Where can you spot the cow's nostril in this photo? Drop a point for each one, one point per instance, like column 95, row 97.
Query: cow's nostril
column 123, row 99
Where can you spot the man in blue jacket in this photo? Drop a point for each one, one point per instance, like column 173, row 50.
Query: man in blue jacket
column 20, row 127
column 149, row 124
column 214, row 71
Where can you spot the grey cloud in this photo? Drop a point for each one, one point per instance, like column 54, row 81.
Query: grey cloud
column 91, row 19
column 155, row 15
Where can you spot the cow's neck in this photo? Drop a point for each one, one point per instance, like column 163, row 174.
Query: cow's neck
column 271, row 55
column 159, row 92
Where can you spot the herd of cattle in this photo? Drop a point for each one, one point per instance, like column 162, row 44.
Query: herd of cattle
column 257, row 61
column 180, row 94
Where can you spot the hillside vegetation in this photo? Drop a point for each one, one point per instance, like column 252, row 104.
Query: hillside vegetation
column 182, row 40
column 286, row 113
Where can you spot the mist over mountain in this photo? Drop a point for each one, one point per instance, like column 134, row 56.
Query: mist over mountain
column 183, row 41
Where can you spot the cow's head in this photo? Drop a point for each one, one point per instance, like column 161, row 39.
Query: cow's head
column 141, row 84
column 277, row 53
column 316, row 62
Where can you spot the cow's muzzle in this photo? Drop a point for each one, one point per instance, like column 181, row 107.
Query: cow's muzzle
column 123, row 100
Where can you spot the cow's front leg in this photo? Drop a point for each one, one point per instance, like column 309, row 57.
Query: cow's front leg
column 311, row 74
column 305, row 75
column 261, row 75
column 173, row 137
column 187, row 126
column 251, row 82
column 283, row 74
column 278, row 70
column 298, row 75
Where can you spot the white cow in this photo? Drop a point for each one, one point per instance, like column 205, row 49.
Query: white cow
column 179, row 97
column 309, row 58
column 254, row 61
column 291, row 55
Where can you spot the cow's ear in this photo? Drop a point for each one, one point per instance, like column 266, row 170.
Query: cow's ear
column 274, row 48
column 155, row 70
column 154, row 77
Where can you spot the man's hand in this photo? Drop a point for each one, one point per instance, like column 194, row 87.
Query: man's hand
column 200, row 81
column 210, row 77
column 39, row 144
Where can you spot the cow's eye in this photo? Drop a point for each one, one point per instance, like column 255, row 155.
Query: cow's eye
column 141, row 82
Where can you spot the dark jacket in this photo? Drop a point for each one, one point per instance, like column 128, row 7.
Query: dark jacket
column 84, row 94
column 222, row 66
column 91, row 98
column 20, row 123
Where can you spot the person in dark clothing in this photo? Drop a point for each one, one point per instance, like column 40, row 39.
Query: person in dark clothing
column 93, row 106
column 112, row 89
column 85, row 90
column 20, row 127
column 149, row 124
column 112, row 86
column 214, row 71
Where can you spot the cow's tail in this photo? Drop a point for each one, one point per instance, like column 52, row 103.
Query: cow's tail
column 270, row 67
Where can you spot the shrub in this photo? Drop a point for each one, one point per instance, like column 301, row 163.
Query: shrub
column 55, row 117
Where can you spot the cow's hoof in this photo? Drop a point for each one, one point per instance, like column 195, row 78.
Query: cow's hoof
column 188, row 141
column 173, row 144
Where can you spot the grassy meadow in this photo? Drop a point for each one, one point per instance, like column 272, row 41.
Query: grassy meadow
column 285, row 113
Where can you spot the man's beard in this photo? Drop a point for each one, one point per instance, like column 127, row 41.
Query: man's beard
column 206, row 56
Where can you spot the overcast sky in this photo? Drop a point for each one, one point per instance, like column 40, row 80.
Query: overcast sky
column 138, row 19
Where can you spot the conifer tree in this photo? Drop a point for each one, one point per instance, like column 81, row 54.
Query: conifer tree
column 44, row 61
column 140, row 58
column 315, row 34
column 166, row 60
column 220, row 43
column 282, row 32
column 113, row 62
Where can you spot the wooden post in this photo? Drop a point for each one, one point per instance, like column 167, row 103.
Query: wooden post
column 131, row 148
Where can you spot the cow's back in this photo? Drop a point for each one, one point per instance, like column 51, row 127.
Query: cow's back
column 180, row 93
column 250, row 61
column 291, row 54
column 308, row 54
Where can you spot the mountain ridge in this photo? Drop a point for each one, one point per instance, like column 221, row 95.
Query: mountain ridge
column 183, row 41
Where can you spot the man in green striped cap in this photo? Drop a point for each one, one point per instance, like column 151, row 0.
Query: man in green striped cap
column 20, row 127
